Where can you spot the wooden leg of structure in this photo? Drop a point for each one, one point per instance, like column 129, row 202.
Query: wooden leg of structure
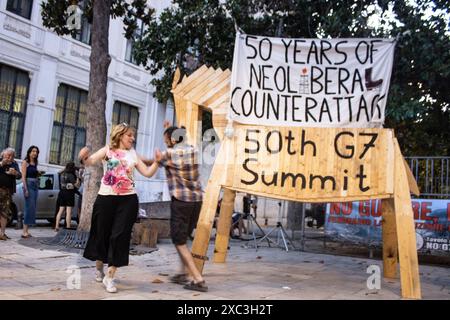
column 406, row 233
column 209, row 207
column 204, row 225
column 390, row 245
column 224, row 225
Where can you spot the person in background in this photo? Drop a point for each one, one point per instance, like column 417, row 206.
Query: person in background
column 69, row 181
column 30, row 188
column 9, row 172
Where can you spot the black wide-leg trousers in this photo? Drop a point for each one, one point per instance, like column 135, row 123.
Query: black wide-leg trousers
column 112, row 222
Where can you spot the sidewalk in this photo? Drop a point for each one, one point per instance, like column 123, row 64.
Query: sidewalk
column 31, row 270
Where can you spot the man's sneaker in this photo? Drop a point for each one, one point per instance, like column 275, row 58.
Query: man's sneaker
column 109, row 284
column 99, row 275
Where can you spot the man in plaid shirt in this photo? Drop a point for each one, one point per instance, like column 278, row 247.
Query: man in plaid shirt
column 181, row 165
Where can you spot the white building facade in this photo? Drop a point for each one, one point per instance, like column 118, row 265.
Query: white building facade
column 44, row 80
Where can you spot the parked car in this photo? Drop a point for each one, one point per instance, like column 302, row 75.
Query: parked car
column 49, row 187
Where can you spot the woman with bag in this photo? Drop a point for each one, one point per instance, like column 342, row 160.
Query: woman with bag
column 66, row 196
column 116, row 207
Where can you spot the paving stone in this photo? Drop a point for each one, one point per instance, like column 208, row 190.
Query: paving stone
column 30, row 272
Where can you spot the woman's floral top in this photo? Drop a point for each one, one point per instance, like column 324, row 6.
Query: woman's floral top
column 118, row 172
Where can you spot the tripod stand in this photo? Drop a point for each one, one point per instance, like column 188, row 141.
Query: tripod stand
column 250, row 221
column 281, row 233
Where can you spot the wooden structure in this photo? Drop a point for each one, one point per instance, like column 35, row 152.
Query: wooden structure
column 299, row 164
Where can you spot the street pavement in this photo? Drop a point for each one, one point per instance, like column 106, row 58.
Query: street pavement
column 32, row 270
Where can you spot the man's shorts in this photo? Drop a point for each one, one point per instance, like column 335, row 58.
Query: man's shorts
column 183, row 219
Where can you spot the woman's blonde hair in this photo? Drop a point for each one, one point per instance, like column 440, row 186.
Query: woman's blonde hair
column 117, row 132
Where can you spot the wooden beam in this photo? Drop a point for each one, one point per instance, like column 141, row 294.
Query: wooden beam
column 406, row 233
column 193, row 123
column 311, row 198
column 192, row 82
column 187, row 80
column 207, row 84
column 222, row 83
column 224, row 225
column 413, row 187
column 176, row 78
column 216, row 179
column 390, row 245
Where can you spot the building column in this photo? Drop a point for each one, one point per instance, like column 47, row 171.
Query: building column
column 109, row 108
column 40, row 108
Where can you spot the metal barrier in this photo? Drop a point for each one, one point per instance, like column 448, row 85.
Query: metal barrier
column 432, row 175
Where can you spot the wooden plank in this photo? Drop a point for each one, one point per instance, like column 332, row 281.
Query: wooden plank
column 180, row 110
column 224, row 225
column 202, row 85
column 390, row 164
column 208, row 211
column 390, row 245
column 194, row 82
column 223, row 90
column 205, row 86
column 355, row 173
column 406, row 233
column 176, row 78
column 413, row 187
column 219, row 123
column 193, row 123
column 221, row 104
column 187, row 80
column 312, row 199
column 219, row 85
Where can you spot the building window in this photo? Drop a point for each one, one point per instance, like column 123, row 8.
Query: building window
column 20, row 7
column 129, row 52
column 84, row 34
column 123, row 112
column 14, row 85
column 69, row 125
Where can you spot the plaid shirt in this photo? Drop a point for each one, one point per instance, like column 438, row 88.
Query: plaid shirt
column 182, row 174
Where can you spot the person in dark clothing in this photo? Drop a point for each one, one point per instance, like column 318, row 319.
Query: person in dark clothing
column 66, row 196
column 9, row 172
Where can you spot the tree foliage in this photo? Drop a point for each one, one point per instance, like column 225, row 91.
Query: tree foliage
column 195, row 32
column 54, row 14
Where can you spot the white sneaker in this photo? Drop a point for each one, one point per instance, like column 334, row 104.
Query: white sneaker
column 109, row 285
column 99, row 275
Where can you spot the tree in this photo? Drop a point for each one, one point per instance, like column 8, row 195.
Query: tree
column 188, row 34
column 195, row 32
column 419, row 102
column 99, row 12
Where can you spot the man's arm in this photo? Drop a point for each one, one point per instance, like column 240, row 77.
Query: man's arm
column 161, row 157
column 166, row 124
column 146, row 161
column 89, row 160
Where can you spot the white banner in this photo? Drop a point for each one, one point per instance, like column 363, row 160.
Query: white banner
column 310, row 82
